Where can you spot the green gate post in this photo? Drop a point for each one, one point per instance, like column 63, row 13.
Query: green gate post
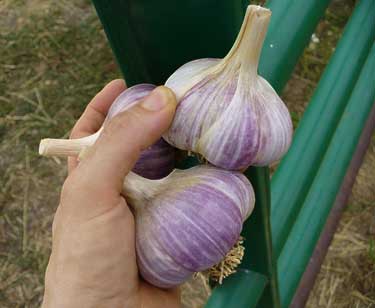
column 151, row 39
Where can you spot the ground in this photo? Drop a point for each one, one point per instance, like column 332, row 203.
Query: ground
column 53, row 58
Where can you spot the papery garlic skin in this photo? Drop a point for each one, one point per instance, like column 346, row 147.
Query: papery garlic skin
column 156, row 162
column 226, row 112
column 129, row 98
column 189, row 223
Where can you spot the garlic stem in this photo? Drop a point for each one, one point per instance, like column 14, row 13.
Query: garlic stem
column 139, row 190
column 136, row 189
column 246, row 50
column 255, row 32
column 248, row 45
column 66, row 147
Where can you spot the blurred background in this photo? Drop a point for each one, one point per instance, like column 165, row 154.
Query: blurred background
column 54, row 58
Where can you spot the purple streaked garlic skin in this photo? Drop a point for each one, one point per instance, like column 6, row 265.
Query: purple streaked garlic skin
column 154, row 163
column 129, row 98
column 187, row 222
column 226, row 112
column 158, row 160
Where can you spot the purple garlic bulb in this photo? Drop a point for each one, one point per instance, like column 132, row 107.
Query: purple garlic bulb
column 154, row 163
column 188, row 221
column 226, row 111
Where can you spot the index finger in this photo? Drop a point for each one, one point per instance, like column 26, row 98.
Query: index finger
column 94, row 115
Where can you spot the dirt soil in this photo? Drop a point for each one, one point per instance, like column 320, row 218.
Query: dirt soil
column 53, row 58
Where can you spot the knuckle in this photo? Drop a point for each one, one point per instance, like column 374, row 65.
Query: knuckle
column 127, row 120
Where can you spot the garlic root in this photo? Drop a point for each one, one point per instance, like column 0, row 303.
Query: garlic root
column 229, row 264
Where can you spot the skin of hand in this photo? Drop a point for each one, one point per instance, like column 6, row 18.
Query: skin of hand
column 93, row 259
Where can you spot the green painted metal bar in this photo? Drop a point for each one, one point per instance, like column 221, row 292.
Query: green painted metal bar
column 231, row 291
column 317, row 258
column 290, row 29
column 257, row 234
column 323, row 191
column 151, row 39
column 291, row 182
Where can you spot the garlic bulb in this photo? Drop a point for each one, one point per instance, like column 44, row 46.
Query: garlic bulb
column 188, row 221
column 227, row 112
column 154, row 163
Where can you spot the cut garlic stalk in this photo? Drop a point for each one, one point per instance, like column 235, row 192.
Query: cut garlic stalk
column 66, row 147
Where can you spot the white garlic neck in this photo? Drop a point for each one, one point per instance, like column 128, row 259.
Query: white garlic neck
column 247, row 48
column 139, row 190
column 243, row 56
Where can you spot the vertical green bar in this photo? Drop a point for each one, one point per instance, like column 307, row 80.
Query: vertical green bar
column 152, row 38
column 297, row 170
column 310, row 222
column 257, row 233
column 292, row 23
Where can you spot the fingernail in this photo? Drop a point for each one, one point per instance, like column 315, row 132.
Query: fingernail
column 158, row 99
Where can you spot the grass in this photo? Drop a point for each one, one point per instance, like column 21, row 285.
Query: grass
column 53, row 58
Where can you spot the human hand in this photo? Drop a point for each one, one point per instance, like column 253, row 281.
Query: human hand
column 93, row 259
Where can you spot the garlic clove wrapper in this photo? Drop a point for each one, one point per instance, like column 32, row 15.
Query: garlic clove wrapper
column 188, row 221
column 154, row 163
column 129, row 98
column 226, row 112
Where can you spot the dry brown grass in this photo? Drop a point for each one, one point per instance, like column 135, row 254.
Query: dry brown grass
column 347, row 277
column 53, row 59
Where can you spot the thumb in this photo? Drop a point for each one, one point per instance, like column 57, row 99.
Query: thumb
column 124, row 137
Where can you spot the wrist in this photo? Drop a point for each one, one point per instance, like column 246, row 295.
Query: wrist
column 55, row 297
column 69, row 290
